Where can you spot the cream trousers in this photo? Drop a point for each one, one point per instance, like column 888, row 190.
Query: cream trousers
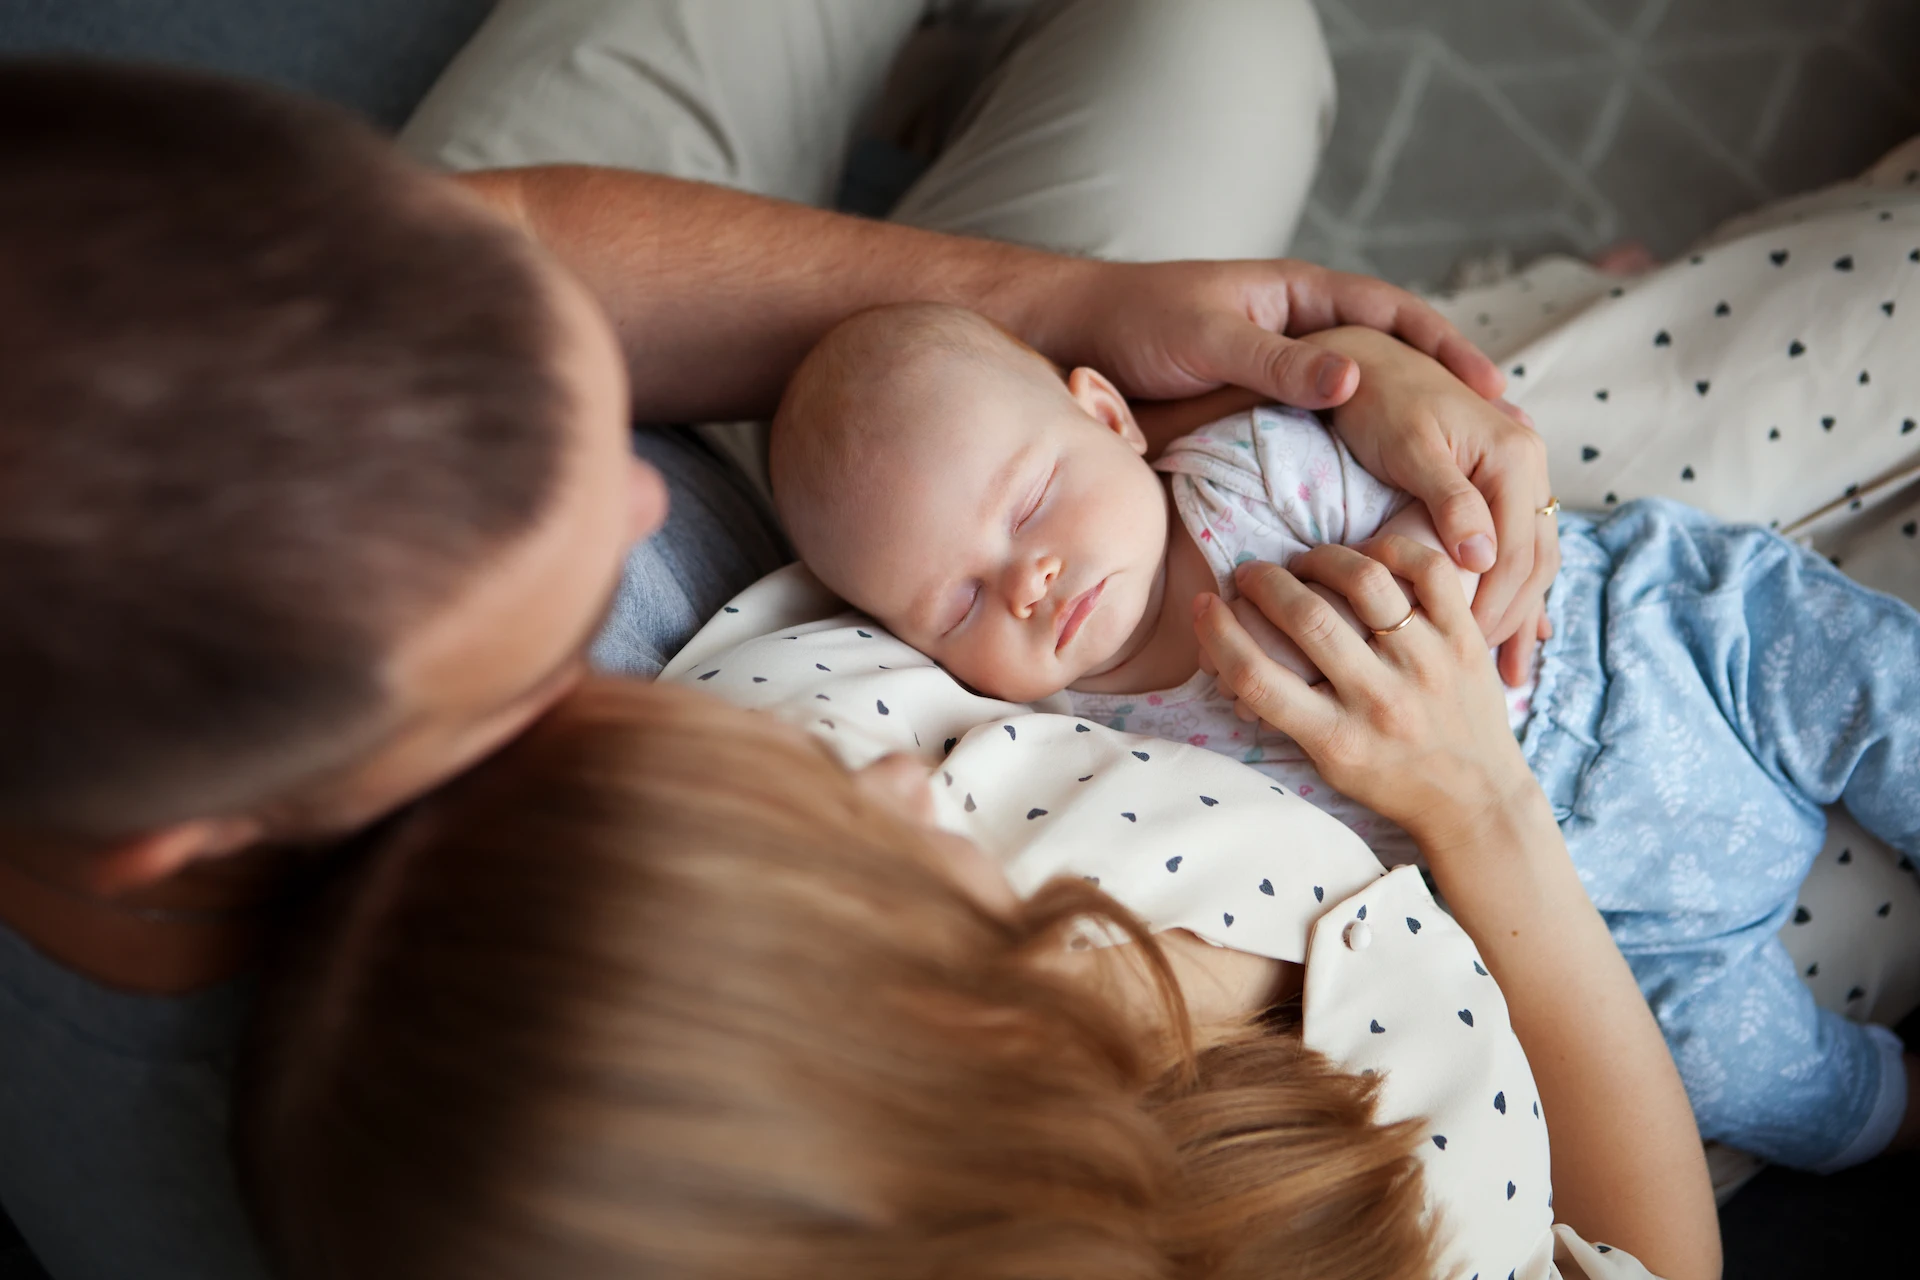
column 1123, row 129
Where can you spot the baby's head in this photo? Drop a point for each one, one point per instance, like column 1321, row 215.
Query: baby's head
column 945, row 478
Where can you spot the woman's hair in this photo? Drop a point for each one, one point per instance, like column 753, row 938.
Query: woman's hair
column 656, row 992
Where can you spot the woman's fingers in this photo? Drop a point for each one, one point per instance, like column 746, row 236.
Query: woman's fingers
column 1435, row 581
column 1376, row 600
column 1516, row 655
column 1460, row 513
column 1329, row 642
column 1516, row 651
column 1546, row 566
column 1264, row 688
column 1518, row 524
column 1531, row 598
column 1515, row 412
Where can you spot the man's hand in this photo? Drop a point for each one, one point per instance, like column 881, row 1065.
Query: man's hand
column 1169, row 330
column 1479, row 467
column 717, row 294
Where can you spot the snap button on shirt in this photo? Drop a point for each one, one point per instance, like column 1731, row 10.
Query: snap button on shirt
column 1357, row 935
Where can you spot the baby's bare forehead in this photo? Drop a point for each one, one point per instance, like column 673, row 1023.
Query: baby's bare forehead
column 910, row 526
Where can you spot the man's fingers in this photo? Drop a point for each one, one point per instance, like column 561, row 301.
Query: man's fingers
column 1262, row 685
column 1296, row 373
column 1326, row 299
column 1420, row 326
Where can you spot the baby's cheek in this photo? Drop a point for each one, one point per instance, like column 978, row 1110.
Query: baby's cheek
column 1005, row 671
column 972, row 662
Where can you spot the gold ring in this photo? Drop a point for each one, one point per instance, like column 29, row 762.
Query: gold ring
column 1552, row 507
column 1387, row 631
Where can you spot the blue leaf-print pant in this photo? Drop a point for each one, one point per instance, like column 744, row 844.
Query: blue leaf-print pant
column 1709, row 688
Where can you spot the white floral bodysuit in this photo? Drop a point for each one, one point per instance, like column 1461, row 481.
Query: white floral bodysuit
column 1265, row 485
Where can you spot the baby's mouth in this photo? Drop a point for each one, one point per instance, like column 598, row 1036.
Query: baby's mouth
column 1076, row 612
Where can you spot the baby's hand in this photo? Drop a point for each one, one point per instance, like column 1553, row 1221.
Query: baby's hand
column 1414, row 521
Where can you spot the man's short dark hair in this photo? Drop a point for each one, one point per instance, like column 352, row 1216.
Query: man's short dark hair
column 267, row 394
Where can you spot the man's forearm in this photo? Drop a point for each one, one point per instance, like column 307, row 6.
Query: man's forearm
column 717, row 294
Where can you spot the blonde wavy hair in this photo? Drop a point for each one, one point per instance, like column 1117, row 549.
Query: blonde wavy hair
column 656, row 992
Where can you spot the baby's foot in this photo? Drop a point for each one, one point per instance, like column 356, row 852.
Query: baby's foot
column 1628, row 258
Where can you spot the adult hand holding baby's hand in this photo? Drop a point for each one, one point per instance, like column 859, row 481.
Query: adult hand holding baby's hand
column 1167, row 330
column 1410, row 723
column 1479, row 468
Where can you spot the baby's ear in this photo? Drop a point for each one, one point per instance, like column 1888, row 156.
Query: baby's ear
column 1102, row 402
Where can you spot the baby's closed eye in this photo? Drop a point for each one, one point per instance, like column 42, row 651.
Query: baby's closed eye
column 959, row 607
column 1040, row 491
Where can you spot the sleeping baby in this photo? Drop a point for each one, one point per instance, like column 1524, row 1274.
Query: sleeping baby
column 1706, row 690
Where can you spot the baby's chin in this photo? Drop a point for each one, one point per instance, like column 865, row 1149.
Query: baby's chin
column 1009, row 687
column 1123, row 632
column 1031, row 686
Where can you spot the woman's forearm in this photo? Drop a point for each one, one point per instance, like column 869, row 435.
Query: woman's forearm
column 717, row 294
column 1628, row 1167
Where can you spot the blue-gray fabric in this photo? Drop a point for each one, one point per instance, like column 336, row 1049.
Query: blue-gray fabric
column 376, row 56
column 719, row 537
column 1708, row 690
column 113, row 1124
column 113, row 1108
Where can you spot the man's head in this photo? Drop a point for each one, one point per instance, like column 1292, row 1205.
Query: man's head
column 946, row 479
column 313, row 475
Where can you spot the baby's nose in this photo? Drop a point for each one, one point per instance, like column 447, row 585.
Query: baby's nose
column 1032, row 583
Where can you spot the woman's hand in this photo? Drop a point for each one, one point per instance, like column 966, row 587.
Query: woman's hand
column 1412, row 723
column 1477, row 464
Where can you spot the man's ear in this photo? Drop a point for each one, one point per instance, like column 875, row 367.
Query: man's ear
column 146, row 860
column 1105, row 405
